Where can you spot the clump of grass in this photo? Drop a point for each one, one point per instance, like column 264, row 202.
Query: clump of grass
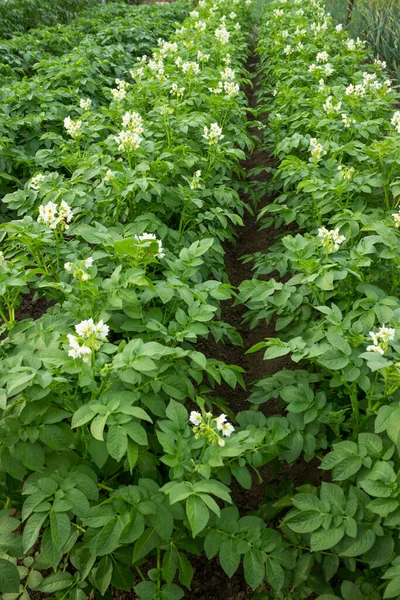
column 377, row 21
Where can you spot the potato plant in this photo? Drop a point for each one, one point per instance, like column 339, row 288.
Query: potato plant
column 116, row 456
column 331, row 288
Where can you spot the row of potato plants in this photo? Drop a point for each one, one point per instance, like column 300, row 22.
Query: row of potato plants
column 22, row 15
column 19, row 54
column 116, row 454
column 33, row 109
column 331, row 289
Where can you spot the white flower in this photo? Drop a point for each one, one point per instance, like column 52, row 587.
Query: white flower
column 119, row 93
column 328, row 69
column 213, row 134
column 331, row 240
column 339, row 27
column 228, row 74
column 200, row 25
column 222, row 35
column 386, row 334
column 73, row 127
column 195, row 183
column 85, row 328
column 396, row 121
column 78, row 351
column 133, row 121
column 329, row 106
column 221, row 442
column 220, row 421
column 85, row 276
column 102, row 330
column 88, row 262
column 177, row 91
column 52, row 215
column 288, row 50
column 128, row 140
column 191, row 67
column 37, row 181
column 317, row 150
column 231, row 89
column 347, row 120
column 68, row 266
column 227, row 429
column 85, row 103
column 195, row 418
column 380, row 64
column 396, row 218
column 376, row 349
column 147, row 239
column 322, row 57
column 350, row 44
column 194, row 14
column 108, row 176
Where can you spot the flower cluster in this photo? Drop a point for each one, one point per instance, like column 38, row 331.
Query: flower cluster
column 210, row 428
column 322, row 57
column 213, row 134
column 317, row 149
column 85, row 103
column 53, row 215
column 347, row 120
column 396, row 121
column 73, row 127
column 346, row 172
column 157, row 67
column 222, row 34
column 133, row 121
column 329, row 106
column 191, row 68
column 78, row 270
column 90, row 336
column 146, row 240
column 195, row 183
column 396, row 218
column 36, row 182
column 119, row 93
column 177, row 91
column 380, row 340
column 330, row 240
column 129, row 138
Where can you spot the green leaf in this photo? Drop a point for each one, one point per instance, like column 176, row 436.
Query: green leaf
column 254, row 569
column 170, row 564
column 274, row 574
column 330, row 566
column 197, row 514
column 171, row 591
column 146, row 590
column 56, row 582
column 303, row 569
column 323, row 540
column 9, row 577
column 212, row 543
column 117, row 442
column 186, row 571
column 102, row 575
column 177, row 413
column 97, row 427
column 393, row 588
column 362, row 543
column 32, row 529
column 145, row 544
column 136, row 432
column 83, row 415
column 60, row 528
column 229, row 556
column 122, row 577
column 31, row 455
